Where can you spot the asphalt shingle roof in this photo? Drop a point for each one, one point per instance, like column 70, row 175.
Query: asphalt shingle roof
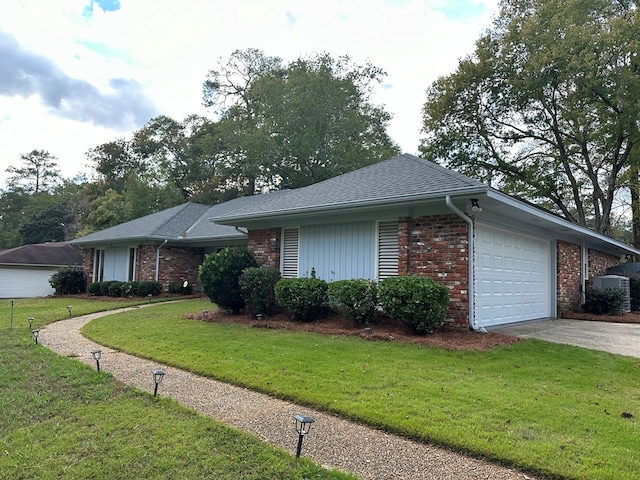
column 400, row 177
column 53, row 253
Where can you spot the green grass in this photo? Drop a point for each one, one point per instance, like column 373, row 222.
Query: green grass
column 542, row 407
column 61, row 419
column 45, row 310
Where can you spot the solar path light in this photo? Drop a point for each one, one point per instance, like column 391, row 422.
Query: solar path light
column 69, row 310
column 303, row 425
column 96, row 354
column 158, row 375
column 30, row 320
column 35, row 334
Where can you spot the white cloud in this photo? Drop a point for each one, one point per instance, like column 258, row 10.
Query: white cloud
column 166, row 48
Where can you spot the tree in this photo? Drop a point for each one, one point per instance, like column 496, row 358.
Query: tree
column 38, row 173
column 295, row 124
column 48, row 225
column 547, row 105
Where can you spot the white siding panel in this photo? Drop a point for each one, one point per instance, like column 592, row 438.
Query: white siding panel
column 338, row 251
column 115, row 264
column 512, row 277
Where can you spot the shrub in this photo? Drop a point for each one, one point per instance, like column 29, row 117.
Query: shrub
column 419, row 302
column 303, row 297
column 257, row 285
column 115, row 289
column 220, row 275
column 181, row 288
column 105, row 287
column 605, row 301
column 95, row 288
column 69, row 281
column 144, row 289
column 127, row 289
column 355, row 299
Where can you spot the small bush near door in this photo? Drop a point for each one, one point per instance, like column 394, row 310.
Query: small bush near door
column 355, row 299
column 258, row 285
column 419, row 302
column 303, row 297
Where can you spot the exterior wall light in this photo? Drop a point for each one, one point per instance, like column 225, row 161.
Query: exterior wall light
column 303, row 425
column 96, row 354
column 35, row 334
column 475, row 206
column 158, row 375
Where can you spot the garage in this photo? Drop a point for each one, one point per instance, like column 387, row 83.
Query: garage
column 19, row 282
column 512, row 280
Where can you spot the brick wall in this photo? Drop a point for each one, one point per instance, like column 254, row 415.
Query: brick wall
column 437, row 247
column 175, row 265
column 568, row 278
column 88, row 255
column 265, row 246
column 599, row 262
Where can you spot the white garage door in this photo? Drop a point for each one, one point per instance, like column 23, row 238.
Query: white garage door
column 25, row 282
column 512, row 277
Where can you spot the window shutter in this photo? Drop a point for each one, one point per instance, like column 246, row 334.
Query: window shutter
column 387, row 250
column 290, row 240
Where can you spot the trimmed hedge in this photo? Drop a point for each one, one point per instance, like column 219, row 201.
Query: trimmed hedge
column 354, row 299
column 257, row 285
column 114, row 288
column 605, row 301
column 181, row 288
column 419, row 302
column 303, row 297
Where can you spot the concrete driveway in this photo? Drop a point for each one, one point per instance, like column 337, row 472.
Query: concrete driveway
column 620, row 338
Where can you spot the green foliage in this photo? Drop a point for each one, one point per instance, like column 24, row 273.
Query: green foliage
column 181, row 288
column 115, row 288
column 38, row 173
column 48, row 225
column 69, row 280
column 296, row 123
column 220, row 276
column 546, row 105
column 605, row 301
column 419, row 302
column 257, row 285
column 355, row 299
column 303, row 297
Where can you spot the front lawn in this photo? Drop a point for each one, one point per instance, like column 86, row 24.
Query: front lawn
column 61, row 419
column 547, row 408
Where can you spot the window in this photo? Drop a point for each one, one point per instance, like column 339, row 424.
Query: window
column 131, row 265
column 98, row 265
column 289, row 252
column 387, row 249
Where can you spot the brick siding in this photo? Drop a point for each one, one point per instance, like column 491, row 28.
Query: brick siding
column 568, row 277
column 599, row 262
column 437, row 247
column 265, row 246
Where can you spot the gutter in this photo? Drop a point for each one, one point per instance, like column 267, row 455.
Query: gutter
column 158, row 257
column 470, row 250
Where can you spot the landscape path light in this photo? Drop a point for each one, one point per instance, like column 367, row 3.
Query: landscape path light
column 30, row 320
column 158, row 375
column 69, row 310
column 35, row 334
column 303, row 425
column 96, row 354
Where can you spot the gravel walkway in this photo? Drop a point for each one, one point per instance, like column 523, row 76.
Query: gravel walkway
column 333, row 442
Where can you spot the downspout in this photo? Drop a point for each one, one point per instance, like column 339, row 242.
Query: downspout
column 158, row 257
column 470, row 249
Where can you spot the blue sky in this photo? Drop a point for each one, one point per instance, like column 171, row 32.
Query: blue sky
column 78, row 73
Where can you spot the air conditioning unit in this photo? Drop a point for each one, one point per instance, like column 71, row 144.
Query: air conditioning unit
column 614, row 281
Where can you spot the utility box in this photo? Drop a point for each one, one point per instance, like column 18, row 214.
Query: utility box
column 614, row 281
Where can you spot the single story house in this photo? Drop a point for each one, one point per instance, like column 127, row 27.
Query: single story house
column 166, row 246
column 504, row 260
column 25, row 270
